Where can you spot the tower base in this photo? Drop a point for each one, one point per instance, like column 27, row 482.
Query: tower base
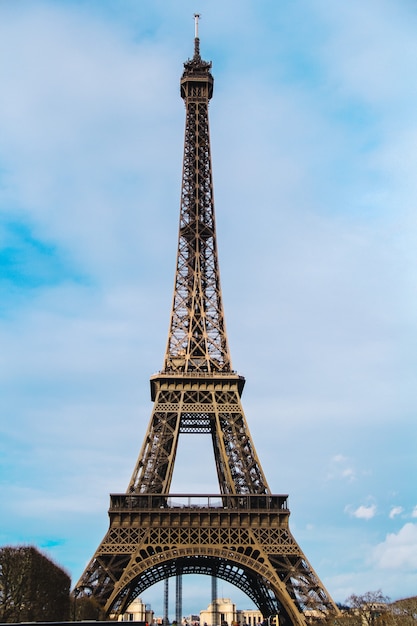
column 243, row 539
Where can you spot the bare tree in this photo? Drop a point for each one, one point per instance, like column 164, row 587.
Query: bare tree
column 86, row 608
column 32, row 587
column 369, row 607
column 404, row 612
column 374, row 609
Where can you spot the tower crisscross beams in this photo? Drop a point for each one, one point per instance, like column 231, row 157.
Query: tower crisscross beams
column 205, row 405
column 243, row 539
column 197, row 338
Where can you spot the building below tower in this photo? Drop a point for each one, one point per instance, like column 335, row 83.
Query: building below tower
column 224, row 613
column 136, row 612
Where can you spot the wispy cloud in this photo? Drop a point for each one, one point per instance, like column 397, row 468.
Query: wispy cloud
column 349, row 473
column 395, row 511
column 340, row 467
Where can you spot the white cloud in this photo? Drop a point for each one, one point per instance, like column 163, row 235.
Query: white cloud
column 365, row 512
column 399, row 550
column 414, row 513
column 396, row 510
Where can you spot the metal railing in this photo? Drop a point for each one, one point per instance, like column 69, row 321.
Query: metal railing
column 241, row 502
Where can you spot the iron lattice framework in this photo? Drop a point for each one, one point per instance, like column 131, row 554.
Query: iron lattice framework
column 242, row 534
column 197, row 340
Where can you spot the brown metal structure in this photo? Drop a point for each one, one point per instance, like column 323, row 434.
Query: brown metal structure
column 242, row 533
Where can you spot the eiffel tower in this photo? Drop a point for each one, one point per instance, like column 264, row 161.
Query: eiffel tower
column 241, row 534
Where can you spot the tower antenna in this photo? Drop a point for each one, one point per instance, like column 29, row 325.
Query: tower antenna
column 196, row 39
column 196, row 18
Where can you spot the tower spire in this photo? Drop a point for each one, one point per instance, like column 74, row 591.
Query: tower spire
column 196, row 38
column 197, row 338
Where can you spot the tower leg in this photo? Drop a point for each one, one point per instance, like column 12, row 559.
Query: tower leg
column 214, row 600
column 166, row 595
column 178, row 599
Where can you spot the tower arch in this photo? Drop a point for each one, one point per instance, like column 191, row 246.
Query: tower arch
column 243, row 568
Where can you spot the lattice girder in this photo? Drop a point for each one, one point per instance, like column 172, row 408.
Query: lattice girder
column 247, row 542
column 199, row 405
column 197, row 338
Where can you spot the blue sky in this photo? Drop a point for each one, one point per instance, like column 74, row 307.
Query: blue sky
column 314, row 142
